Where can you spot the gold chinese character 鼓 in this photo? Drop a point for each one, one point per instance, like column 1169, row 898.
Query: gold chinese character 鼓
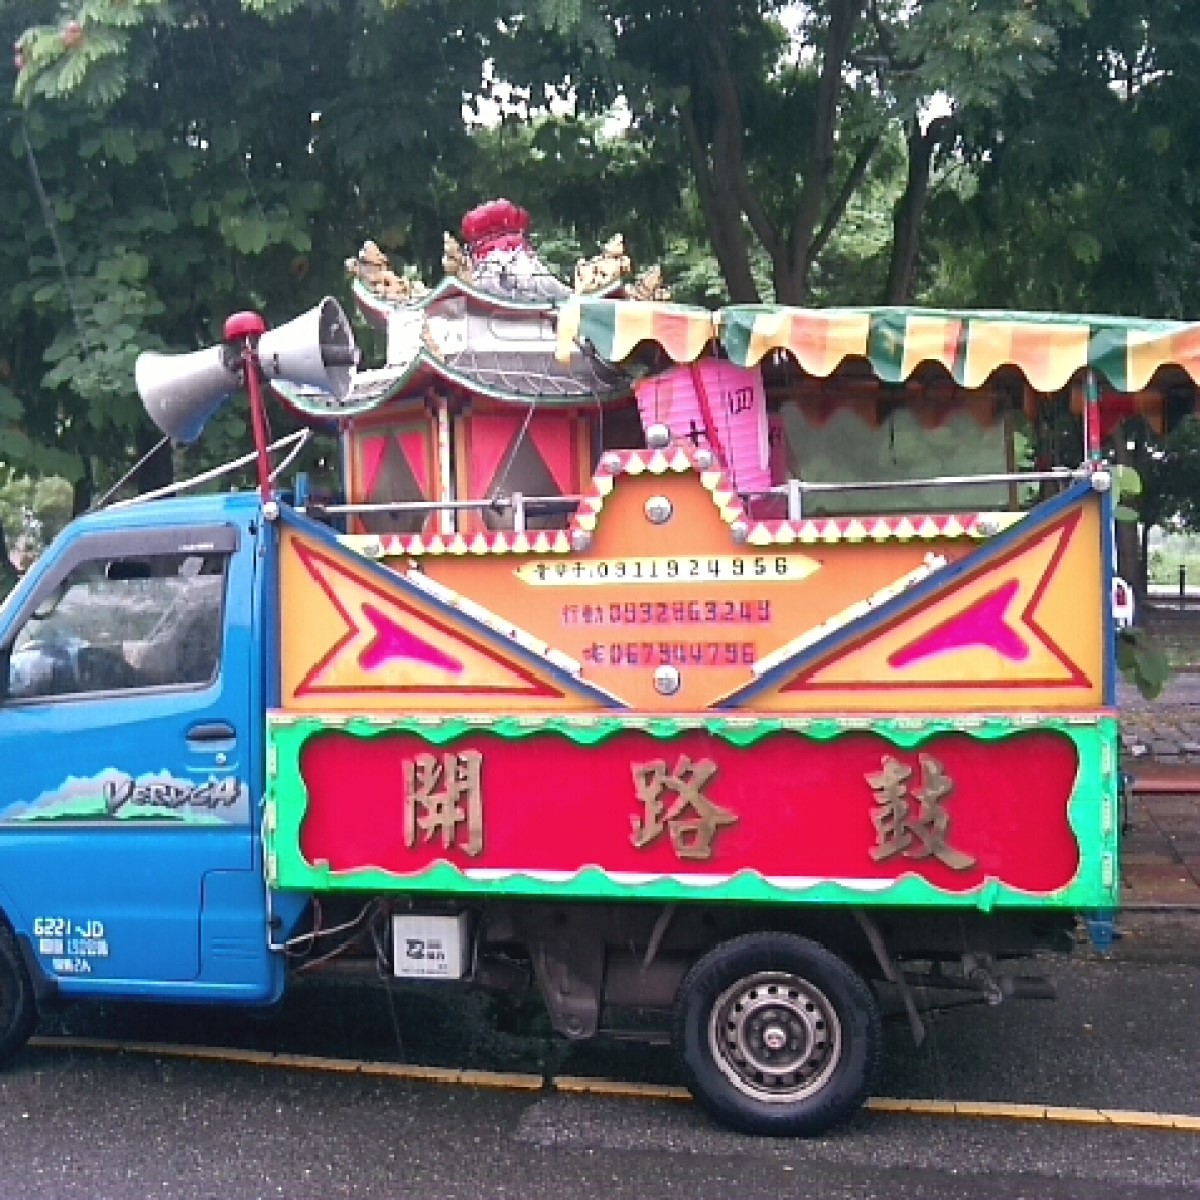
column 428, row 811
column 898, row 829
column 691, row 818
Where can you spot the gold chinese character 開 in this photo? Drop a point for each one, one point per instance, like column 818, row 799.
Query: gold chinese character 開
column 919, row 834
column 691, row 818
column 459, row 802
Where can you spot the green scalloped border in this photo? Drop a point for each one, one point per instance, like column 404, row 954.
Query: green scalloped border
column 1091, row 812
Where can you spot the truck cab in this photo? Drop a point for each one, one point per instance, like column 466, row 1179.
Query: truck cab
column 131, row 662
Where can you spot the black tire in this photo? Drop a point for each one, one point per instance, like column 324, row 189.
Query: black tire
column 777, row 1035
column 18, row 1005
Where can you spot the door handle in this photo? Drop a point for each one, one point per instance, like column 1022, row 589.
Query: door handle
column 211, row 731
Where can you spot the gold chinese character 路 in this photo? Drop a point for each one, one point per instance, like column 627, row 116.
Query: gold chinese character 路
column 443, row 795
column 691, row 818
column 915, row 834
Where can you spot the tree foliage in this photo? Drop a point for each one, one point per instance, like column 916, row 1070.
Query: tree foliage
column 168, row 165
column 1083, row 192
column 782, row 117
column 165, row 164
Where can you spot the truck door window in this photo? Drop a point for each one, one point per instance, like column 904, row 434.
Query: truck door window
column 121, row 624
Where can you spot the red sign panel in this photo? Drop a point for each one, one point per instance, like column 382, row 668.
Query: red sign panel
column 956, row 810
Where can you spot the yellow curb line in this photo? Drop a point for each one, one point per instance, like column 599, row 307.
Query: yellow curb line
column 1057, row 1114
column 585, row 1085
column 299, row 1062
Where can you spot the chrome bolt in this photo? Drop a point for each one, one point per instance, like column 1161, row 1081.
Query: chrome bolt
column 658, row 510
column 658, row 437
column 667, row 680
column 775, row 1038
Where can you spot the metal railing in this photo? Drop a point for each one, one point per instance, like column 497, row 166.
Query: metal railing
column 795, row 490
column 517, row 503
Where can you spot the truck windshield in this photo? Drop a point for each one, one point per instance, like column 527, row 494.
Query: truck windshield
column 128, row 623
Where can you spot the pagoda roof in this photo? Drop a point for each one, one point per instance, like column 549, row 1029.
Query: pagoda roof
column 515, row 378
column 487, row 292
column 488, row 328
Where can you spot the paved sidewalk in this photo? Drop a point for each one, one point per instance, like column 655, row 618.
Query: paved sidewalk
column 1160, row 854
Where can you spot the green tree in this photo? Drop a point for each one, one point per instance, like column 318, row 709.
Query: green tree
column 167, row 166
column 783, row 116
column 1082, row 193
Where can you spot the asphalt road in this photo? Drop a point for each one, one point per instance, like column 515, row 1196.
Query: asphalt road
column 1125, row 1033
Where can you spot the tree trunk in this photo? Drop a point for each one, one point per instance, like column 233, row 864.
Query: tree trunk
column 793, row 265
column 910, row 209
column 1141, row 586
column 158, row 470
column 722, row 215
column 727, row 196
column 8, row 571
column 83, row 489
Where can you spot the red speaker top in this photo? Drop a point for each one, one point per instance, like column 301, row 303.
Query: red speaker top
column 244, row 325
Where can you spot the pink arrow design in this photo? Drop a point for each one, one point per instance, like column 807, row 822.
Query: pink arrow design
column 391, row 642
column 983, row 624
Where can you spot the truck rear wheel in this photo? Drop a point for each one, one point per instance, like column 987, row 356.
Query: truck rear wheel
column 777, row 1035
column 18, row 1006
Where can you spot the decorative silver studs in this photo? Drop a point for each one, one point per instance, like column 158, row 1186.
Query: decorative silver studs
column 666, row 680
column 658, row 510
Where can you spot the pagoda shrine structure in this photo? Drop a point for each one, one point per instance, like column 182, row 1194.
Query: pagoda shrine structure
column 472, row 406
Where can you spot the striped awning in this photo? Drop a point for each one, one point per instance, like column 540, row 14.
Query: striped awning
column 1047, row 348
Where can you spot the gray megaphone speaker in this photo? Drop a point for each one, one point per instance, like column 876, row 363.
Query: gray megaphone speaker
column 180, row 392
column 316, row 348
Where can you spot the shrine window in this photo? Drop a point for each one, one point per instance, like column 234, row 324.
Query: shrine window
column 541, row 455
column 394, row 462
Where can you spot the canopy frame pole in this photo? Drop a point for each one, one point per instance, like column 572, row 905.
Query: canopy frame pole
column 1091, row 419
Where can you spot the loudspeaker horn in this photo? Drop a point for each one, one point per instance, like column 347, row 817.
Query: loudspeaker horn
column 316, row 348
column 180, row 392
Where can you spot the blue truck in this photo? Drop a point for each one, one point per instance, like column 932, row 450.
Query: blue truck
column 236, row 739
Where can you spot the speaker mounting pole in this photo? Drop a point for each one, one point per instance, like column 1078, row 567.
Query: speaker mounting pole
column 243, row 330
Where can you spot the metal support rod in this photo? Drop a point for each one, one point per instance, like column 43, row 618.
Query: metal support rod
column 500, row 504
column 258, row 421
column 1091, row 418
column 1065, row 475
column 795, row 495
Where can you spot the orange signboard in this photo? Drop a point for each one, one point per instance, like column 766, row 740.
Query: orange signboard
column 663, row 596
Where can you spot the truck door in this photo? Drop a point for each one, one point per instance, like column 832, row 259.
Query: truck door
column 127, row 810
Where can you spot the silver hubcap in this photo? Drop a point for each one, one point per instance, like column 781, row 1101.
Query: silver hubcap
column 775, row 1037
